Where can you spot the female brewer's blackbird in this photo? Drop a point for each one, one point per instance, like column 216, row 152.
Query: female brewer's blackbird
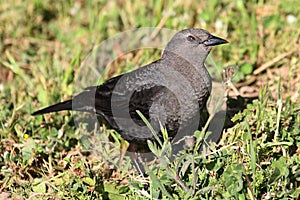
column 171, row 91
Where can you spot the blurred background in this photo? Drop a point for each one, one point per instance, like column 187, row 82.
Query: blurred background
column 42, row 44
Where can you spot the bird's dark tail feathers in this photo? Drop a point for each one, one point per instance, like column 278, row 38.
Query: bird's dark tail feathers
column 66, row 105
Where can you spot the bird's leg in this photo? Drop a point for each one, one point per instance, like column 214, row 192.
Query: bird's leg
column 135, row 162
column 133, row 153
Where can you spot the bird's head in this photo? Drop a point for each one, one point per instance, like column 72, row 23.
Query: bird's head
column 193, row 44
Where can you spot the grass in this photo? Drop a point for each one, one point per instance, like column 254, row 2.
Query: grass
column 42, row 47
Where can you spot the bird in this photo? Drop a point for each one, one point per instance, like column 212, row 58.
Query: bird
column 170, row 92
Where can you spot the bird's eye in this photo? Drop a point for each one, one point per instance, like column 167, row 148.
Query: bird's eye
column 191, row 38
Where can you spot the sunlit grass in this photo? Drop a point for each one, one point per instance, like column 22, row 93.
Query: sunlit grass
column 42, row 46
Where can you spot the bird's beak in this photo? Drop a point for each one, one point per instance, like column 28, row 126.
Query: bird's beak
column 213, row 41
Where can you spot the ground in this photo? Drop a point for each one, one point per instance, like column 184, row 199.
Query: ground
column 42, row 47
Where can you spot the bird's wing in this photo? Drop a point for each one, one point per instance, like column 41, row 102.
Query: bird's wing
column 96, row 99
column 113, row 99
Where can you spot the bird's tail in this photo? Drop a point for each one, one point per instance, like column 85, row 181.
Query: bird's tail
column 66, row 105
